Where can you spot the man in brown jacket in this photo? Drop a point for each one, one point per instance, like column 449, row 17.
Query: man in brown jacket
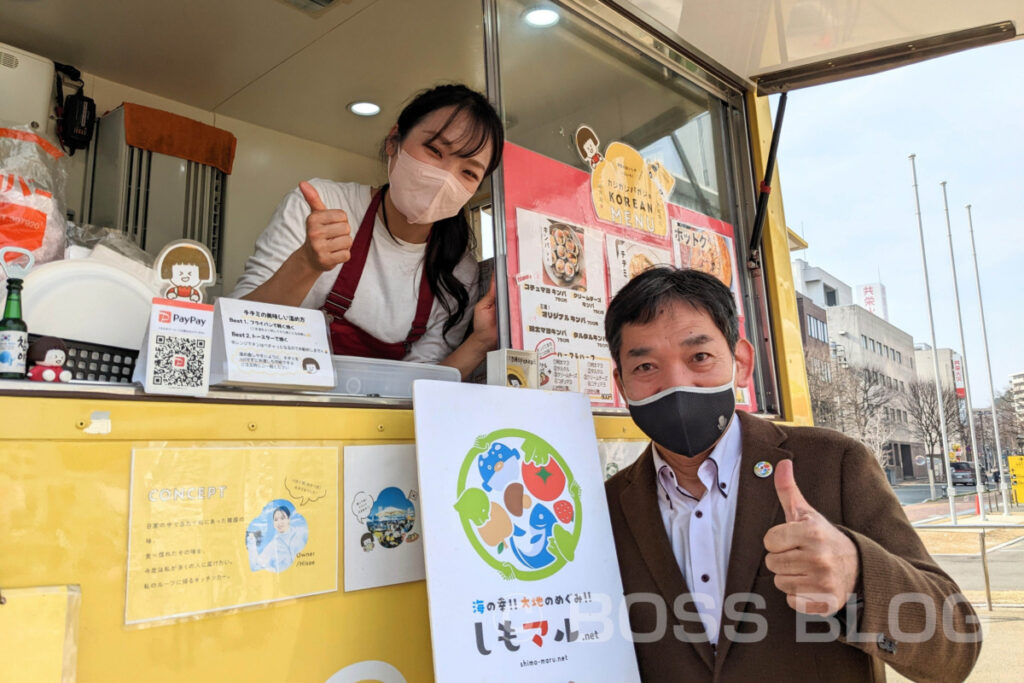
column 751, row 550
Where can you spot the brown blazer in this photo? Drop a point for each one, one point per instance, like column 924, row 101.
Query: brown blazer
column 842, row 480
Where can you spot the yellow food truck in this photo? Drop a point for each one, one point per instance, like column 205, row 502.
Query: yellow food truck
column 637, row 133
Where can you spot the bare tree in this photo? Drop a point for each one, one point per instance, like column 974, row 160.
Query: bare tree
column 1011, row 428
column 824, row 393
column 857, row 402
column 921, row 404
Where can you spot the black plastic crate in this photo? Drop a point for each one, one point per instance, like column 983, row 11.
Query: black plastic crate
column 97, row 362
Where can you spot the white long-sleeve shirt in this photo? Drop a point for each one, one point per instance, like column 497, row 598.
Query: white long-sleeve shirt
column 701, row 530
column 385, row 300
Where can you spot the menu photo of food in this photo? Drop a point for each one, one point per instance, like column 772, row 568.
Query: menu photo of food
column 562, row 256
column 704, row 250
column 627, row 259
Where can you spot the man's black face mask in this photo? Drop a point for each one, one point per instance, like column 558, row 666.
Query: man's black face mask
column 686, row 420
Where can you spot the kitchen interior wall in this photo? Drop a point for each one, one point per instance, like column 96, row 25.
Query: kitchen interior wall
column 268, row 164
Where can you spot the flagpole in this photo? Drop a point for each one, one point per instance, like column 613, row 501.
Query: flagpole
column 979, row 487
column 988, row 363
column 935, row 352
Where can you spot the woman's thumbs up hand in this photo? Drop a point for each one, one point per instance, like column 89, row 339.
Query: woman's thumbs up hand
column 328, row 233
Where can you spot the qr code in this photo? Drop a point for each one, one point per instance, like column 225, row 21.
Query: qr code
column 178, row 361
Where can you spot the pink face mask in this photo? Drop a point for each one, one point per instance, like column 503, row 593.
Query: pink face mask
column 425, row 193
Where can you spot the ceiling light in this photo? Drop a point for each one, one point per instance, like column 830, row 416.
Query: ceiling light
column 541, row 16
column 364, row 108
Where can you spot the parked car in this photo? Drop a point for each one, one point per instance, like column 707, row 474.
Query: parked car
column 963, row 474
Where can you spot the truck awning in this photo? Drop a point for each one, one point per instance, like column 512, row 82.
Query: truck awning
column 781, row 45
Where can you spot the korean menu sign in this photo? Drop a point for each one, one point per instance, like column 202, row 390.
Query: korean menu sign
column 217, row 528
column 576, row 238
column 514, row 506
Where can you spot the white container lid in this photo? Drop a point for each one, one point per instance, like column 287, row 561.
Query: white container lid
column 357, row 376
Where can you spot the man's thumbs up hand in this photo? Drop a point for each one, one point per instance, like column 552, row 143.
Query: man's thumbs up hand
column 793, row 503
column 815, row 564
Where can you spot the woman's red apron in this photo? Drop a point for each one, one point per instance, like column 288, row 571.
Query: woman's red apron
column 348, row 339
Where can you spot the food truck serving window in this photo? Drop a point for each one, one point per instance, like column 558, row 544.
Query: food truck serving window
column 617, row 160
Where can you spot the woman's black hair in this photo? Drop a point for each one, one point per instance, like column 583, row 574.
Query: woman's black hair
column 284, row 509
column 450, row 238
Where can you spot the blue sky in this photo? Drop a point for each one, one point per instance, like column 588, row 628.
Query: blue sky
column 847, row 188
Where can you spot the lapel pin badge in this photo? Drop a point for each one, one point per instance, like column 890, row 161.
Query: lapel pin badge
column 763, row 469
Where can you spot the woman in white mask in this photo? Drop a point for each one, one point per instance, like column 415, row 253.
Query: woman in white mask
column 392, row 267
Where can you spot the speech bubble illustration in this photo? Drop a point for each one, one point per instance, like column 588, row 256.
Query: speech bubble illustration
column 304, row 490
column 361, row 506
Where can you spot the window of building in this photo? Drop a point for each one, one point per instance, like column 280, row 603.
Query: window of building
column 830, row 296
column 864, row 340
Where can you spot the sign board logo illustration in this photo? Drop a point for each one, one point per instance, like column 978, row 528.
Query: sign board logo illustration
column 519, row 505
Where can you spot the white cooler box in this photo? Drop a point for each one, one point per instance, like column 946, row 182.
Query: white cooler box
column 355, row 376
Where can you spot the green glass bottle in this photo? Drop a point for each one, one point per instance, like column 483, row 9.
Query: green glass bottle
column 13, row 335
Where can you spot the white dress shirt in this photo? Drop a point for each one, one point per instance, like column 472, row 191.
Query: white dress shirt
column 701, row 530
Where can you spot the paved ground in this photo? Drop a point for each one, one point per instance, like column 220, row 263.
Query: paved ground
column 1002, row 657
column 917, row 511
column 919, row 491
column 1005, row 570
column 1002, row 653
column 914, row 493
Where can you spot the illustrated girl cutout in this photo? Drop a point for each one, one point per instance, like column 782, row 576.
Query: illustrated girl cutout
column 187, row 267
column 588, row 146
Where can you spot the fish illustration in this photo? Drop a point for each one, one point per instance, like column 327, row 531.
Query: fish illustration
column 531, row 546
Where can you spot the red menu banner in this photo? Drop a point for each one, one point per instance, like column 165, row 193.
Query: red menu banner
column 565, row 263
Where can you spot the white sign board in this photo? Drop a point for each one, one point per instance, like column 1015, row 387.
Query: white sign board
column 175, row 354
column 521, row 573
column 382, row 535
column 872, row 297
column 266, row 345
column 958, row 377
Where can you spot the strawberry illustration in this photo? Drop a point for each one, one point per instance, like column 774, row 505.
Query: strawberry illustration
column 563, row 510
